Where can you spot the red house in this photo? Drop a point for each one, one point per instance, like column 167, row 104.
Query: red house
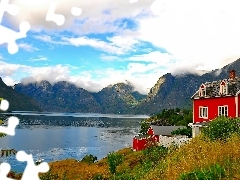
column 153, row 134
column 217, row 98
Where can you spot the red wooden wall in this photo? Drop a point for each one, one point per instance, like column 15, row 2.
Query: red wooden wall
column 212, row 104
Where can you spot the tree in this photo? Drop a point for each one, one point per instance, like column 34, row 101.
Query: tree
column 114, row 160
column 222, row 128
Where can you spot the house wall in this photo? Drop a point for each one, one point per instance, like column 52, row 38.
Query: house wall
column 238, row 105
column 212, row 104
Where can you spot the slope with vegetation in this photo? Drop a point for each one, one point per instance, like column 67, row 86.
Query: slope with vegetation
column 17, row 101
column 213, row 155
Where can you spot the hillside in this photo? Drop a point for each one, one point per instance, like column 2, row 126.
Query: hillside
column 169, row 92
column 60, row 97
column 176, row 91
column 17, row 101
column 118, row 98
column 213, row 155
column 66, row 97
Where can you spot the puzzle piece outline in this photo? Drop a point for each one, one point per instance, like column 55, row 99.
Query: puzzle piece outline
column 24, row 27
column 59, row 19
column 31, row 171
column 4, row 170
column 8, row 35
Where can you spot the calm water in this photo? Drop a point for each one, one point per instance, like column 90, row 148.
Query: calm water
column 56, row 136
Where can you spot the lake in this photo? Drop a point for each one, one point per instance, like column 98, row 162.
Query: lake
column 57, row 136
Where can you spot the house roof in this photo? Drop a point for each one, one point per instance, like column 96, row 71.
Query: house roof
column 213, row 88
column 199, row 124
column 165, row 130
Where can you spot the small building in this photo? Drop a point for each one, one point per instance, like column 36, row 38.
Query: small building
column 213, row 99
column 154, row 133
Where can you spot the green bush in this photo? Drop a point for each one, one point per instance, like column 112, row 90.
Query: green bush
column 90, row 159
column 48, row 175
column 183, row 131
column 155, row 153
column 221, row 128
column 124, row 176
column 98, row 177
column 114, row 160
column 214, row 172
column 144, row 127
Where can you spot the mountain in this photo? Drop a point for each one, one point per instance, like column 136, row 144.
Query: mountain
column 17, row 101
column 118, row 98
column 66, row 97
column 168, row 92
column 176, row 91
column 60, row 97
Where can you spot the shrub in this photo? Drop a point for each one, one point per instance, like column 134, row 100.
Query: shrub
column 155, row 153
column 213, row 173
column 90, row 159
column 98, row 177
column 221, row 128
column 114, row 160
column 183, row 131
column 48, row 175
column 144, row 127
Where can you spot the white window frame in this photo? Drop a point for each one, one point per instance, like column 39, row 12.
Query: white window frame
column 202, row 91
column 203, row 112
column 223, row 88
column 223, row 110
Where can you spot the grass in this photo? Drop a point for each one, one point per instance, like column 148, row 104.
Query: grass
column 202, row 158
column 199, row 155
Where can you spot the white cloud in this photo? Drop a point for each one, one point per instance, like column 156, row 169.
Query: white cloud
column 109, row 57
column 117, row 45
column 39, row 58
column 9, row 81
column 155, row 57
column 93, row 80
column 7, row 69
column 27, row 47
column 44, row 38
column 93, row 19
column 198, row 33
column 51, row 74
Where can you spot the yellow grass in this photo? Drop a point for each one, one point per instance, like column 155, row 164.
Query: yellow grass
column 198, row 154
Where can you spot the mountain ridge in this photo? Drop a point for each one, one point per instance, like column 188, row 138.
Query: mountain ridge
column 168, row 92
column 17, row 101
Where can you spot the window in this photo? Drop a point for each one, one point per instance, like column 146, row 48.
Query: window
column 203, row 112
column 202, row 90
column 222, row 110
column 223, row 88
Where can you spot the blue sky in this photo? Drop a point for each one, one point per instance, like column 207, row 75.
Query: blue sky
column 112, row 41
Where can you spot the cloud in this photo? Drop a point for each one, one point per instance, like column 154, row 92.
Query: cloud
column 39, row 58
column 50, row 39
column 9, row 81
column 91, row 80
column 158, row 57
column 93, row 19
column 109, row 57
column 44, row 38
column 198, row 33
column 7, row 69
column 52, row 74
column 116, row 45
column 27, row 47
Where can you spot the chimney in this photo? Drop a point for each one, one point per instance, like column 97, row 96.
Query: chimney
column 232, row 74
